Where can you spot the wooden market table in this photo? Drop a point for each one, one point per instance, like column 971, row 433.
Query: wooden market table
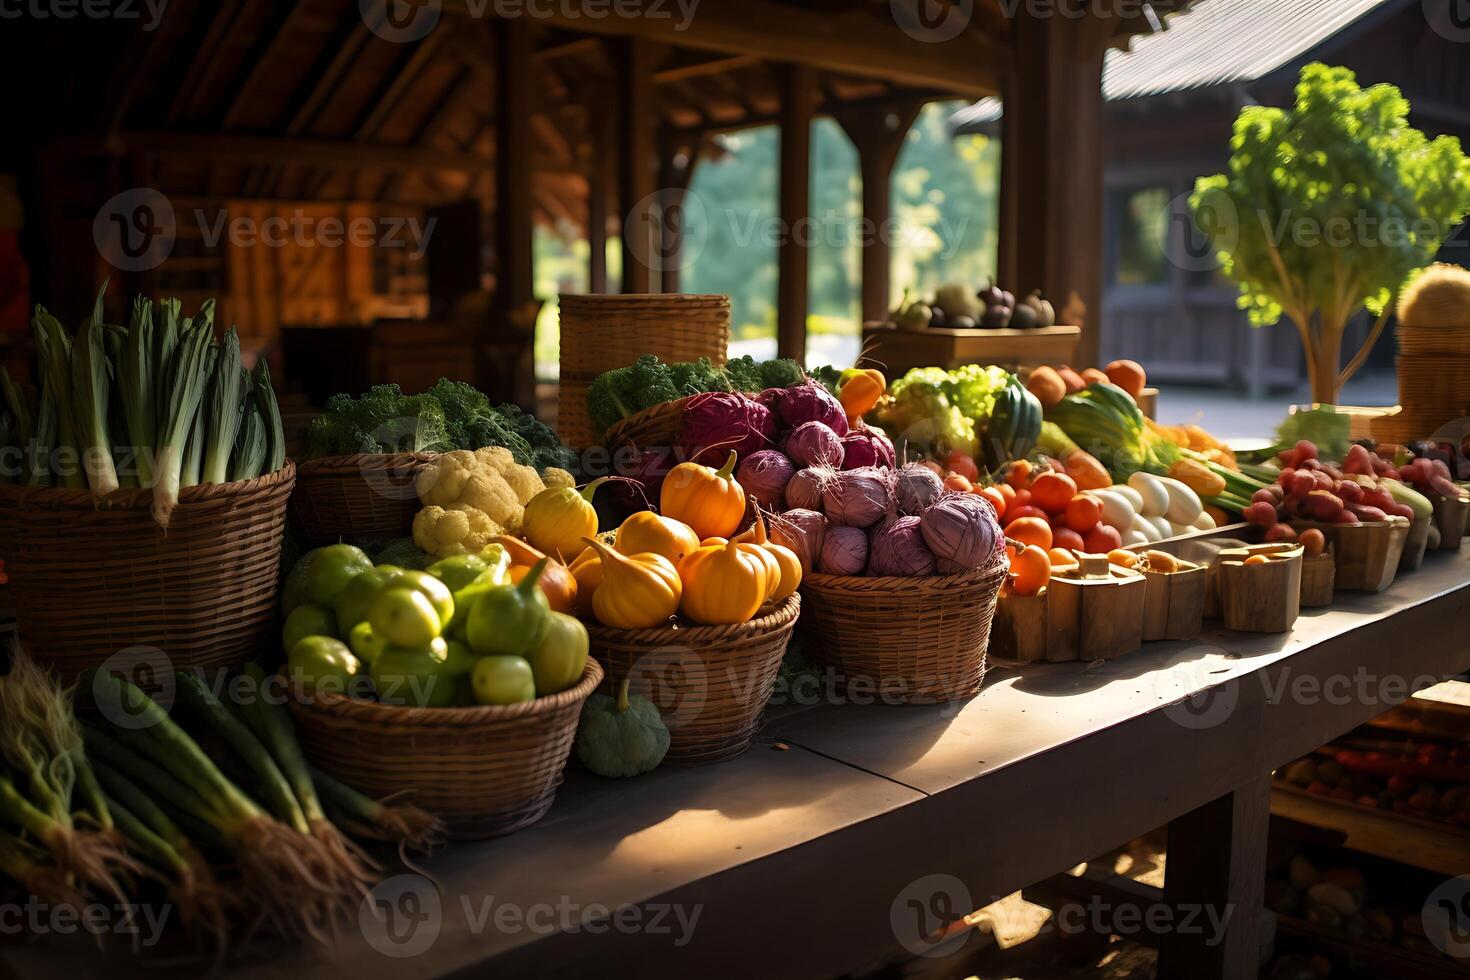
column 813, row 861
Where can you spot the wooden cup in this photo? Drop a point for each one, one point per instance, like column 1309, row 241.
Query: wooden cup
column 1019, row 630
column 1367, row 554
column 1449, row 515
column 1174, row 602
column 1414, row 544
column 1318, row 575
column 1095, row 612
column 1263, row 597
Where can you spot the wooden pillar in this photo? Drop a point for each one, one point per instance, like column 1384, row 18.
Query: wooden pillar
column 604, row 148
column 673, row 182
column 1217, row 868
column 503, row 359
column 1051, row 212
column 798, row 88
column 632, row 59
column 878, row 138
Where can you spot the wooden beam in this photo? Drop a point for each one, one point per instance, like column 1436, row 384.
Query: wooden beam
column 503, row 362
column 698, row 69
column 878, row 137
column 387, row 101
column 268, row 38
column 632, row 58
column 850, row 41
column 438, row 122
column 798, row 95
column 825, row 108
column 204, row 60
column 329, row 74
column 1053, row 218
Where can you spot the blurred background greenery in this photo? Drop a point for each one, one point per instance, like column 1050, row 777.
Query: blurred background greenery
column 944, row 205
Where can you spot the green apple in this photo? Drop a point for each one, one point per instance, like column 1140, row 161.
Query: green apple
column 331, row 568
column 503, row 680
column 365, row 643
column 404, row 617
column 560, row 658
column 354, row 601
column 307, row 620
column 433, row 589
column 416, row 676
column 322, row 661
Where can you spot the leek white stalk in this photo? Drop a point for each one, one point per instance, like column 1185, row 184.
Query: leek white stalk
column 221, row 412
column 137, row 376
column 270, row 413
column 186, row 381
column 90, row 388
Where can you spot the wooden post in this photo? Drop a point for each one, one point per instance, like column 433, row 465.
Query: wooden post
column 673, row 182
column 604, row 143
column 798, row 89
column 1052, row 210
column 503, row 364
column 632, row 60
column 878, row 138
column 1217, row 857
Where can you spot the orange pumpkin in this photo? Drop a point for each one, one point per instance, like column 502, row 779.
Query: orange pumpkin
column 708, row 500
column 661, row 535
column 724, row 583
column 788, row 565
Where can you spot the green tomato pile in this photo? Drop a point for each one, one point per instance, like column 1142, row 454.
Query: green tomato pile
column 456, row 634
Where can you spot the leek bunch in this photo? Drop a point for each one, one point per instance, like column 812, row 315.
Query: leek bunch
column 159, row 404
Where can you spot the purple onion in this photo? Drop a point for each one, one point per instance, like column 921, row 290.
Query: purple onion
column 716, row 422
column 801, row 530
column 814, row 444
column 807, row 402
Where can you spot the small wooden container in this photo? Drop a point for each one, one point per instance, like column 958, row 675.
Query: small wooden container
column 1020, row 628
column 1318, row 575
column 1205, row 552
column 1264, row 597
column 1173, row 602
column 1367, row 555
column 1414, row 544
column 1449, row 515
column 1094, row 612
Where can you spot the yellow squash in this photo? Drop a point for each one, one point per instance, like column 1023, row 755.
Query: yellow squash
column 708, row 500
column 647, row 531
column 724, row 583
column 636, row 591
column 558, row 518
column 788, row 566
column 587, row 570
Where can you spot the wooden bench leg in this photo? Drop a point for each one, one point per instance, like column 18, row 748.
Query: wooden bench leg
column 1216, row 873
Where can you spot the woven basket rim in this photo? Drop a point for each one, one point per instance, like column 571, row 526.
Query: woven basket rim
column 778, row 618
column 141, row 498
column 376, row 713
column 614, row 433
column 359, row 461
column 635, row 299
column 893, row 583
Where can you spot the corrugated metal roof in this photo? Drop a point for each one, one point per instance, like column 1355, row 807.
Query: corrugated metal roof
column 1215, row 42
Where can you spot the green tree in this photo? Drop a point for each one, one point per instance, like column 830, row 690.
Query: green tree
column 1328, row 207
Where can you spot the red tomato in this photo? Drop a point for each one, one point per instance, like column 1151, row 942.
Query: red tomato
column 962, row 464
column 1065, row 537
column 1019, row 474
column 1022, row 498
column 1052, row 491
column 997, row 499
column 1030, row 530
column 1014, row 513
column 1082, row 513
column 957, row 481
column 1101, row 539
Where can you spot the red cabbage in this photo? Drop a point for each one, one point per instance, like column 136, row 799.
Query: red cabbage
column 844, row 551
column 896, row 547
column 882, row 446
column 916, row 486
column 802, row 531
column 764, row 475
column 961, row 530
column 804, row 490
column 807, row 402
column 716, row 422
column 814, row 444
column 857, row 498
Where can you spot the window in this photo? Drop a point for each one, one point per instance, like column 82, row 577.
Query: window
column 1142, row 217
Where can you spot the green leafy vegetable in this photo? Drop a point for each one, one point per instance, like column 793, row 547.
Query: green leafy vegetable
column 222, row 419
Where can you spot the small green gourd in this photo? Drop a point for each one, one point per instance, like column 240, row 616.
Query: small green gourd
column 622, row 736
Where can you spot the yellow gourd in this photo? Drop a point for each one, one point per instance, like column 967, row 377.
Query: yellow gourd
column 708, row 500
column 647, row 531
column 587, row 571
column 636, row 591
column 558, row 518
column 788, row 565
column 724, row 583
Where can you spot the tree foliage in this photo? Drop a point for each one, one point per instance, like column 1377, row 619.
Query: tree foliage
column 1329, row 206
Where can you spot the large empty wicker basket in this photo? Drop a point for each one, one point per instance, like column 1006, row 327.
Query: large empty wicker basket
column 602, row 332
column 94, row 576
column 902, row 640
column 710, row 683
column 485, row 771
column 362, row 495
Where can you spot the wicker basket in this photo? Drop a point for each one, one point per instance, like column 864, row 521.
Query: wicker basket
column 363, row 495
column 92, row 576
column 1441, row 338
column 905, row 640
column 485, row 771
column 651, row 428
column 710, row 683
column 603, row 332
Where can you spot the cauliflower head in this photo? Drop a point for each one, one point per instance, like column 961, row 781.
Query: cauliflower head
column 455, row 530
column 475, row 479
column 553, row 476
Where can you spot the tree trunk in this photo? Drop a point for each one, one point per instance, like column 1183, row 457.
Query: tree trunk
column 1326, row 355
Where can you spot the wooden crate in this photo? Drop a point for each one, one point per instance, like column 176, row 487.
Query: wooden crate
column 898, row 349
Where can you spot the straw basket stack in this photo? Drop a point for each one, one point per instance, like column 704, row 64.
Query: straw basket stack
column 603, row 332
column 1434, row 355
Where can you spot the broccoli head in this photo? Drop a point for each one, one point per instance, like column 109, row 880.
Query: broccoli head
column 546, row 448
column 744, row 374
column 383, row 420
column 696, row 377
column 615, row 395
column 781, row 373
